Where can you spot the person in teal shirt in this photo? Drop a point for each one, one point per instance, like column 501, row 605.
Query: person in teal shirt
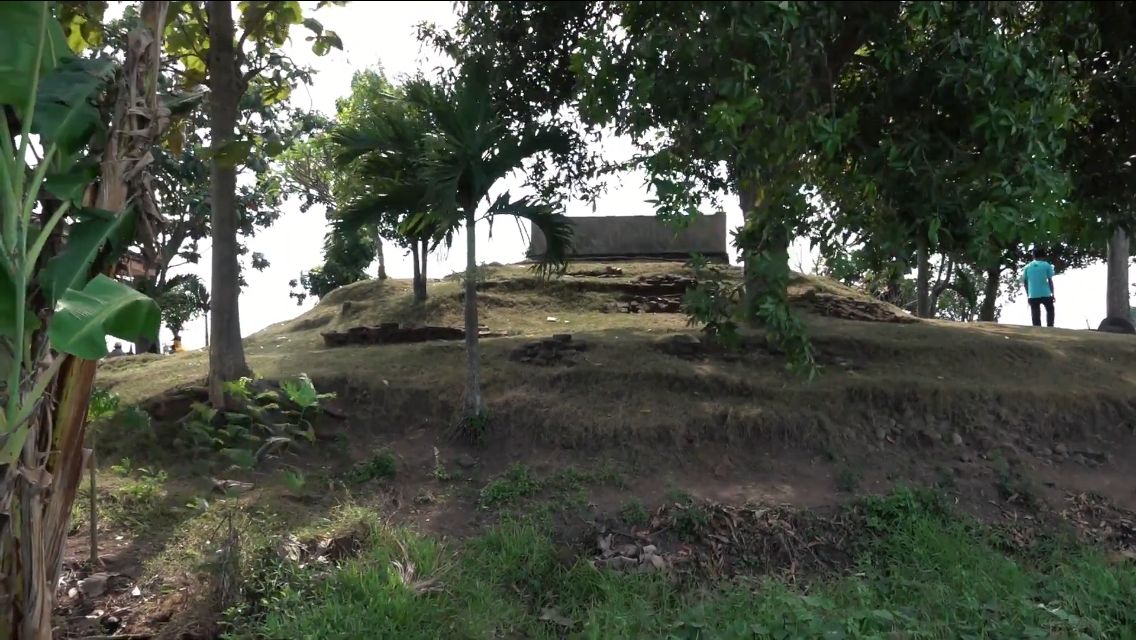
column 1037, row 278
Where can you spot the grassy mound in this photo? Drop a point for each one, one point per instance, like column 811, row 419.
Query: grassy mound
column 1011, row 425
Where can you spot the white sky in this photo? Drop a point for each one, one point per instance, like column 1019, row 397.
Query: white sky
column 383, row 33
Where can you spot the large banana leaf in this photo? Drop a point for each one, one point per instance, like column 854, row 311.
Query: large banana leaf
column 83, row 319
column 70, row 268
column 64, row 114
column 21, row 25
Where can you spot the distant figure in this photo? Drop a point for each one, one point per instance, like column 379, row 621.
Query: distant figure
column 176, row 346
column 117, row 351
column 1037, row 278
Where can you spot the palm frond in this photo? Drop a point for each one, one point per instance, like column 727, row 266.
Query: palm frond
column 555, row 226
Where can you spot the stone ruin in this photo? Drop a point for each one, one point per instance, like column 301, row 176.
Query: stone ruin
column 605, row 272
column 653, row 294
column 639, row 238
column 559, row 349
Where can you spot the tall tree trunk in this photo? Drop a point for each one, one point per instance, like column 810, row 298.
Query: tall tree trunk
column 425, row 255
column 419, row 284
column 1117, row 294
column 923, row 281
column 947, row 267
column 473, row 404
column 990, row 295
column 226, row 353
column 381, row 258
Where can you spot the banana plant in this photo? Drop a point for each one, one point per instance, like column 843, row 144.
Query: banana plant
column 73, row 195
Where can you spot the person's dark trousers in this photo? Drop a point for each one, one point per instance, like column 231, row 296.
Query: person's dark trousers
column 1035, row 310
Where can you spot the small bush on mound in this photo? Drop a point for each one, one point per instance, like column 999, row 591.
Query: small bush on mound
column 923, row 570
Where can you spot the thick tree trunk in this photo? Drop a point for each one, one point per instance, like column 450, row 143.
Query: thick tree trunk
column 764, row 244
column 473, row 403
column 947, row 268
column 1117, row 294
column 425, row 260
column 381, row 258
column 923, row 281
column 419, row 281
column 226, row 354
column 989, row 309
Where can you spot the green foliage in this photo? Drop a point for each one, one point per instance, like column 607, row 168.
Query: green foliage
column 83, row 319
column 265, row 128
column 302, row 393
column 103, row 405
column 634, row 513
column 532, row 47
column 295, row 481
column 136, row 497
column 737, row 100
column 1097, row 40
column 266, row 422
column 51, row 94
column 380, row 466
column 86, row 238
column 183, row 298
column 690, row 519
column 433, row 151
column 309, row 168
column 346, row 258
column 944, row 120
column 713, row 301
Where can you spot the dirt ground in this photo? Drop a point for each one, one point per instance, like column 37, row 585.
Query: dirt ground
column 1022, row 427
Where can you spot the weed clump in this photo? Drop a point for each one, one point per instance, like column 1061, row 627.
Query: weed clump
column 380, row 466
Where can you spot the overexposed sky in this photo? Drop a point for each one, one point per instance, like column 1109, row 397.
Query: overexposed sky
column 383, row 33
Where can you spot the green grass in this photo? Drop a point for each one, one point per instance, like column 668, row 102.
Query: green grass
column 380, row 466
column 570, row 484
column 633, row 512
column 516, row 483
column 922, row 572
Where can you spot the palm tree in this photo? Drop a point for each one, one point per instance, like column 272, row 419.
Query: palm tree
column 471, row 150
column 463, row 147
column 385, row 155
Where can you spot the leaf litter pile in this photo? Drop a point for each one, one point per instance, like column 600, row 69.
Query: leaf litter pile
column 710, row 540
column 1101, row 522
